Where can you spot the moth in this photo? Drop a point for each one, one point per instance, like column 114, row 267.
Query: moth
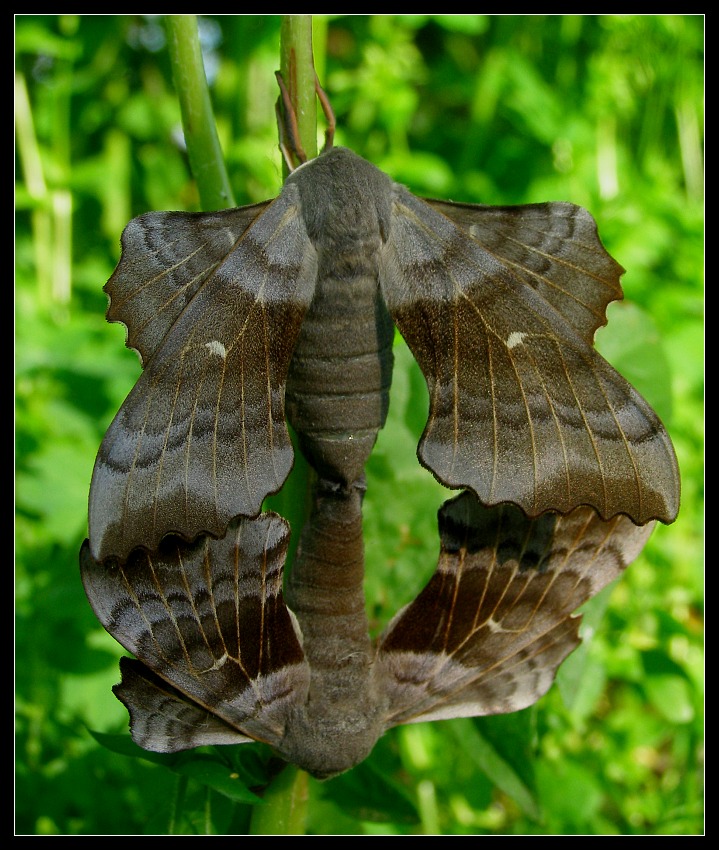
column 288, row 308
column 222, row 659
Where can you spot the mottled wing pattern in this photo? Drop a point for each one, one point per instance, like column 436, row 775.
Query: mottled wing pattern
column 554, row 248
column 202, row 437
column 522, row 408
column 166, row 258
column 210, row 621
column 162, row 719
column 488, row 632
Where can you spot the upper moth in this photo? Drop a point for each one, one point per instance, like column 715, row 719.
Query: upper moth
column 289, row 307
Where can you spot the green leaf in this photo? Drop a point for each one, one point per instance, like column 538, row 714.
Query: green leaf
column 570, row 794
column 59, row 499
column 488, row 758
column 668, row 687
column 369, row 795
column 210, row 772
column 285, row 805
column 125, row 746
column 671, row 696
column 632, row 343
column 581, row 678
column 205, row 769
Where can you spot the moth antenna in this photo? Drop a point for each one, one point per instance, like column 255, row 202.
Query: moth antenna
column 284, row 148
column 290, row 144
column 287, row 126
column 328, row 113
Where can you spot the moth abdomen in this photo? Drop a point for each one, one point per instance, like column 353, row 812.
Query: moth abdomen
column 343, row 716
column 337, row 394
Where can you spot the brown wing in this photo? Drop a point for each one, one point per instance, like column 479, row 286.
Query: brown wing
column 166, row 258
column 490, row 629
column 554, row 248
column 522, row 408
column 210, row 621
column 162, row 719
column 202, row 436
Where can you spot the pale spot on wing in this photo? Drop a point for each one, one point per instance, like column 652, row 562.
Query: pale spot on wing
column 515, row 338
column 216, row 347
column 220, row 662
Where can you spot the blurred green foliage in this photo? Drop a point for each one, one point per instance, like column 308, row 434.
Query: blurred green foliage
column 603, row 111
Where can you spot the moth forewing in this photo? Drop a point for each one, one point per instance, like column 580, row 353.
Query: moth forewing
column 489, row 631
column 522, row 408
column 202, row 436
column 162, row 719
column 209, row 619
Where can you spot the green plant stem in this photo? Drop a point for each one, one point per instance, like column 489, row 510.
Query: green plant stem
column 203, row 145
column 298, row 71
column 285, row 805
column 177, row 803
column 28, row 149
column 285, row 802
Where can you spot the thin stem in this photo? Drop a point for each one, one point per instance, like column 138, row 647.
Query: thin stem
column 293, row 502
column 285, row 805
column 177, row 803
column 32, row 165
column 298, row 72
column 203, row 145
column 207, row 813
